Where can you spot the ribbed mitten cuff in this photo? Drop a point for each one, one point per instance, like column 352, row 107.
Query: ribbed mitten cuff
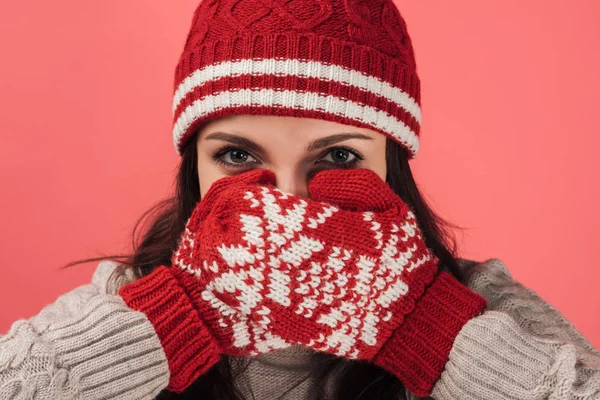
column 418, row 349
column 190, row 348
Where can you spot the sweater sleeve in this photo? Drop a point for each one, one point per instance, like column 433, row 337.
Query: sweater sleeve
column 521, row 348
column 86, row 345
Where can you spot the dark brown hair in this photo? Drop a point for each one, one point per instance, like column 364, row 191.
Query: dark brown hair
column 155, row 238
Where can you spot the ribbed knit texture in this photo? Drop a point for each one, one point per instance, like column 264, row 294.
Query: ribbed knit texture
column 187, row 342
column 538, row 369
column 348, row 61
column 418, row 350
column 86, row 345
column 285, row 374
column 305, row 271
column 523, row 349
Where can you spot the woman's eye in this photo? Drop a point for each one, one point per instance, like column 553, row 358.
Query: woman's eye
column 236, row 156
column 340, row 156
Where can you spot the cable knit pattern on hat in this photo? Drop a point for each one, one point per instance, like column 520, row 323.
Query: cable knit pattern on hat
column 348, row 61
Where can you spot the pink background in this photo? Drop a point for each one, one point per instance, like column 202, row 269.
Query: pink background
column 509, row 142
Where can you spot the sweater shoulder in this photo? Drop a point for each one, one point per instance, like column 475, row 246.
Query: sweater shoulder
column 88, row 343
column 109, row 276
column 492, row 280
column 491, row 266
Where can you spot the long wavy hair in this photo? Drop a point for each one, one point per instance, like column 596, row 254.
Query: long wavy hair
column 155, row 237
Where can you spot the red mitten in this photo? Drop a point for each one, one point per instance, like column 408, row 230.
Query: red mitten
column 192, row 332
column 355, row 280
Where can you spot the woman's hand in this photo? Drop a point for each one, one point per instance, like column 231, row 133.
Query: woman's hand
column 345, row 272
column 193, row 327
column 292, row 260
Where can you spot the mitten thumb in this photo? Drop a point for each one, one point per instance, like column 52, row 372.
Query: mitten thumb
column 253, row 177
column 353, row 190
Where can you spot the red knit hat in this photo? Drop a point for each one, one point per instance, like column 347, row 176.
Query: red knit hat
column 348, row 61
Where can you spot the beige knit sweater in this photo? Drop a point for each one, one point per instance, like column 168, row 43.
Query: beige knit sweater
column 89, row 345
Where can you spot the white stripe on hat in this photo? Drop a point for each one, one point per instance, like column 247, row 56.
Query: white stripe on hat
column 301, row 69
column 309, row 101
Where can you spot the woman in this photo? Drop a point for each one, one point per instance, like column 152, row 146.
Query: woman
column 285, row 266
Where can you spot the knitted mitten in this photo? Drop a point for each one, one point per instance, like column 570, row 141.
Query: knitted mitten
column 191, row 345
column 353, row 279
column 192, row 330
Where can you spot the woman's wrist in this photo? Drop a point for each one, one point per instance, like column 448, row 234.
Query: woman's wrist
column 190, row 348
column 418, row 349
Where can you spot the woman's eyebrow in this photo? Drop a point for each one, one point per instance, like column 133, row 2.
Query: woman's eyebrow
column 339, row 137
column 236, row 140
column 312, row 146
